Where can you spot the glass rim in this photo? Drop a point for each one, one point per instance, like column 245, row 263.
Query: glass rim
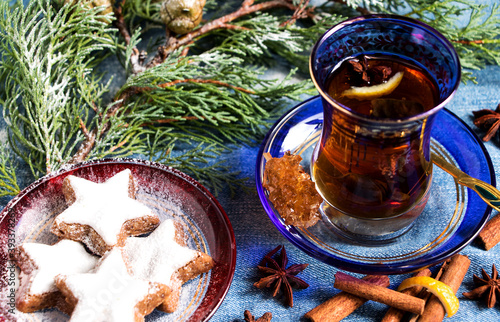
column 385, row 17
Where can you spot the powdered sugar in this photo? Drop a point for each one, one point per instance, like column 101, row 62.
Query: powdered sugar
column 65, row 257
column 157, row 256
column 108, row 294
column 103, row 206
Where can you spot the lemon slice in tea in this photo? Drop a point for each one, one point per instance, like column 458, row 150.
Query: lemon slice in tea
column 371, row 92
column 442, row 291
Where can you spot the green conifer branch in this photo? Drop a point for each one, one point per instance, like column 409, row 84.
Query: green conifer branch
column 201, row 162
column 8, row 179
column 47, row 66
column 476, row 42
column 185, row 111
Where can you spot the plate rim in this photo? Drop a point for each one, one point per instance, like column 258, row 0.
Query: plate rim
column 289, row 232
column 232, row 249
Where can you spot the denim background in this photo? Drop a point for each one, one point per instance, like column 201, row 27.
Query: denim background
column 256, row 235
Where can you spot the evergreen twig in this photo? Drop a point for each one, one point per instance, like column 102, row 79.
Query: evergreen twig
column 177, row 108
column 8, row 179
column 248, row 7
column 474, row 29
column 46, row 71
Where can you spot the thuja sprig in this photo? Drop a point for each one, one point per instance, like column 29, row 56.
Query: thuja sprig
column 8, row 179
column 200, row 91
column 47, row 77
column 201, row 162
column 474, row 29
column 478, row 42
column 196, row 95
column 247, row 8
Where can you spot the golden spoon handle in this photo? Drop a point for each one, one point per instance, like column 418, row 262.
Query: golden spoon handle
column 487, row 192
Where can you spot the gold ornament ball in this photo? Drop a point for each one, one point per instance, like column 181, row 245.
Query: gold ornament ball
column 182, row 16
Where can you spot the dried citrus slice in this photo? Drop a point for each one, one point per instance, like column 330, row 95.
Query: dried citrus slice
column 371, row 92
column 442, row 291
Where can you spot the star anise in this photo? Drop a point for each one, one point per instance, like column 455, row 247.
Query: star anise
column 361, row 74
column 488, row 287
column 488, row 120
column 280, row 277
column 250, row 318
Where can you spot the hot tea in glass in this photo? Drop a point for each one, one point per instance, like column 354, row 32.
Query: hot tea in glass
column 384, row 177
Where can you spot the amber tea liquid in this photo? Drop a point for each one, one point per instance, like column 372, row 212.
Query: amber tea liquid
column 375, row 174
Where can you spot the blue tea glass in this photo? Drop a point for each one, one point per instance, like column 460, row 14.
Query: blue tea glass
column 374, row 173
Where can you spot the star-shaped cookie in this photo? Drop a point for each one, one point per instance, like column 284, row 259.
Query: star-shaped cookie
column 110, row 293
column 103, row 215
column 40, row 264
column 163, row 257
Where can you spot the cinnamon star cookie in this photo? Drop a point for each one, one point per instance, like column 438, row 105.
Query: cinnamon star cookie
column 163, row 257
column 110, row 293
column 40, row 264
column 103, row 215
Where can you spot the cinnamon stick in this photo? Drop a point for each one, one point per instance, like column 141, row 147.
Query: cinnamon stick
column 377, row 293
column 343, row 303
column 454, row 271
column 395, row 315
column 424, row 294
column 490, row 234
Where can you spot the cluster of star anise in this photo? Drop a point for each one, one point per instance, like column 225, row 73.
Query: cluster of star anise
column 362, row 74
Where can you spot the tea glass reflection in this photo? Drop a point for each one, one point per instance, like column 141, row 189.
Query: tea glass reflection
column 373, row 169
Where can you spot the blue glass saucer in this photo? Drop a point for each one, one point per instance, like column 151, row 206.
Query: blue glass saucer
column 452, row 218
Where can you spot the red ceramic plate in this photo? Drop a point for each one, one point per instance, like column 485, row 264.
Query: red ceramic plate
column 169, row 192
